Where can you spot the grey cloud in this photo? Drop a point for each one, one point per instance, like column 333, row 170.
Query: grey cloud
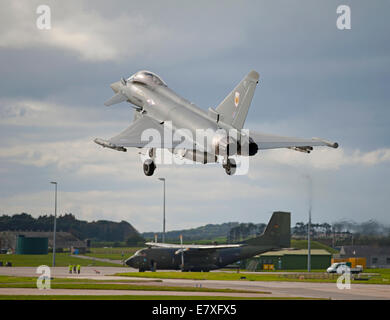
column 314, row 80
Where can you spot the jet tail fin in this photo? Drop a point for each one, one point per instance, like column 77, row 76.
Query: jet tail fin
column 234, row 108
column 277, row 233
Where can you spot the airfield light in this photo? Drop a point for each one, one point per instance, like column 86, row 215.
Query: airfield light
column 309, row 225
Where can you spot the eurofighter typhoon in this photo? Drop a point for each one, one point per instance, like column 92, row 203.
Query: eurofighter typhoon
column 189, row 132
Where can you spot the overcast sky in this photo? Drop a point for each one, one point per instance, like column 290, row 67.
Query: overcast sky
column 315, row 81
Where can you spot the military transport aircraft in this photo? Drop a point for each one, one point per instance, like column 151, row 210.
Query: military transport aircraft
column 158, row 108
column 209, row 257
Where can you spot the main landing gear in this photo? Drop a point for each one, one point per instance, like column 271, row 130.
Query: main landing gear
column 149, row 166
column 230, row 167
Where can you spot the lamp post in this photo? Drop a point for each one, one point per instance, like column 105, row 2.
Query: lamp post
column 55, row 221
column 182, row 252
column 163, row 235
column 309, row 226
column 308, row 244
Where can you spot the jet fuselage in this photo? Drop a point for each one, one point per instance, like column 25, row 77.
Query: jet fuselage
column 163, row 104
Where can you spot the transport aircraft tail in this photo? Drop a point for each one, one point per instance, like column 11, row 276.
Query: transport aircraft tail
column 276, row 234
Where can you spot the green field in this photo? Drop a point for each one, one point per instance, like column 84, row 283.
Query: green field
column 382, row 277
column 112, row 253
column 65, row 283
column 62, row 260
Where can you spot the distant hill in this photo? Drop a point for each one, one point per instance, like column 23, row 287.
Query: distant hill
column 208, row 232
column 100, row 230
column 226, row 232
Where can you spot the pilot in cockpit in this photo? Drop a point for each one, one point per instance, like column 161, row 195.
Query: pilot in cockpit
column 147, row 78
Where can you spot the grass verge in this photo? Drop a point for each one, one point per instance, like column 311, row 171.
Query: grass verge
column 382, row 277
column 18, row 282
column 62, row 260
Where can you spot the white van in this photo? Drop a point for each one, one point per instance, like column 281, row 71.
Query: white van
column 341, row 267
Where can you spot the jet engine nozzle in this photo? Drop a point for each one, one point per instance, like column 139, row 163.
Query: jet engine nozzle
column 247, row 148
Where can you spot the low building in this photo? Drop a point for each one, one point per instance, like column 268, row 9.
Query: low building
column 376, row 257
column 290, row 260
column 32, row 245
column 64, row 240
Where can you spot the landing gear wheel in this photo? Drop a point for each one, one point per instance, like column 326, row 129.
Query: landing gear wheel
column 149, row 167
column 230, row 167
column 141, row 270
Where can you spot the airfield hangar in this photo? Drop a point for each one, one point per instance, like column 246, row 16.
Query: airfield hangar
column 34, row 242
column 290, row 260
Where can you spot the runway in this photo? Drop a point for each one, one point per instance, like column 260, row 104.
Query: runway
column 87, row 292
column 272, row 288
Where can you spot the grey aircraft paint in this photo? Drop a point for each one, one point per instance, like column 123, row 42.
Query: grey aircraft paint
column 157, row 107
column 209, row 257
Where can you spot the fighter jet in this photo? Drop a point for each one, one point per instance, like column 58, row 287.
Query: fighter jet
column 159, row 109
column 209, row 257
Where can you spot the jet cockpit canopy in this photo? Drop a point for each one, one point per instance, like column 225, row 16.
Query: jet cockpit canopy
column 140, row 252
column 147, row 78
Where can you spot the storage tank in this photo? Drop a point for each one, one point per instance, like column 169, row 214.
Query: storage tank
column 27, row 245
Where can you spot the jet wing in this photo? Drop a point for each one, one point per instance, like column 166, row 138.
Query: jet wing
column 187, row 247
column 143, row 132
column 269, row 141
column 132, row 136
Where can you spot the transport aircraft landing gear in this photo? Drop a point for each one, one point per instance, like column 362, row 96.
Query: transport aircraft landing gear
column 149, row 167
column 230, row 167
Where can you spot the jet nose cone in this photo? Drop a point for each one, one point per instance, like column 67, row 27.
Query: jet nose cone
column 116, row 86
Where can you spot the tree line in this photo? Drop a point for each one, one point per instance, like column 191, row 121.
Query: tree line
column 244, row 231
column 101, row 230
column 370, row 232
column 367, row 228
